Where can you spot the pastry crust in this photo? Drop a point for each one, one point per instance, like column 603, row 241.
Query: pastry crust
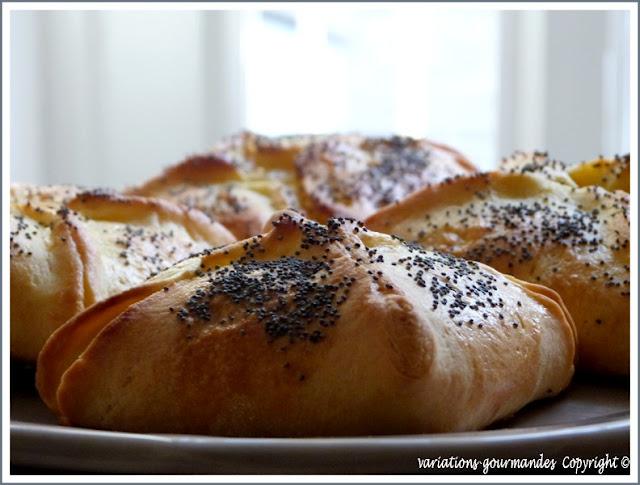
column 70, row 248
column 218, row 186
column 311, row 330
column 611, row 174
column 353, row 176
column 251, row 151
column 573, row 240
column 537, row 162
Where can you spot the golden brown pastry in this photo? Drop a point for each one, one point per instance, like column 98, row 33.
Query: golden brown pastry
column 611, row 174
column 354, row 176
column 250, row 151
column 240, row 200
column 70, row 248
column 311, row 330
column 246, row 177
column 264, row 158
column 573, row 240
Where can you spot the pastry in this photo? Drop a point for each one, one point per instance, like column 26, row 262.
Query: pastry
column 311, row 330
column 353, row 176
column 246, row 177
column 609, row 173
column 573, row 240
column 272, row 158
column 250, row 151
column 537, row 162
column 240, row 182
column 70, row 249
column 217, row 185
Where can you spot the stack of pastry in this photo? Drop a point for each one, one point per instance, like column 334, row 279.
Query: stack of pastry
column 237, row 293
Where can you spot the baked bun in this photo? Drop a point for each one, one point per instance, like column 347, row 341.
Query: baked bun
column 609, row 173
column 353, row 176
column 218, row 186
column 311, row 330
column 246, row 177
column 573, row 240
column 70, row 249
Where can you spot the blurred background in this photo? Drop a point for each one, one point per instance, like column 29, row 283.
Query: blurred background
column 111, row 97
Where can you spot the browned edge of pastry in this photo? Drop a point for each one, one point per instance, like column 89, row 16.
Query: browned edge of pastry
column 101, row 205
column 431, row 196
column 70, row 340
column 460, row 158
column 113, row 206
column 197, row 170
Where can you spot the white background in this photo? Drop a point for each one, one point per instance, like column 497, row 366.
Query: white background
column 109, row 98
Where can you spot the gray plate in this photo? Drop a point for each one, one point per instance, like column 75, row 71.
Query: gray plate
column 590, row 418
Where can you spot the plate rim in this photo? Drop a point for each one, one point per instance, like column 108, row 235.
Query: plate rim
column 617, row 422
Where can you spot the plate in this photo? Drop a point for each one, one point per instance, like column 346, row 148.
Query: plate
column 591, row 418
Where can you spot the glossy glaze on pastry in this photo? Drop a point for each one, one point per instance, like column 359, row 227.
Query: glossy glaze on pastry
column 246, row 177
column 572, row 239
column 609, row 173
column 219, row 187
column 311, row 330
column 353, row 176
column 70, row 248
